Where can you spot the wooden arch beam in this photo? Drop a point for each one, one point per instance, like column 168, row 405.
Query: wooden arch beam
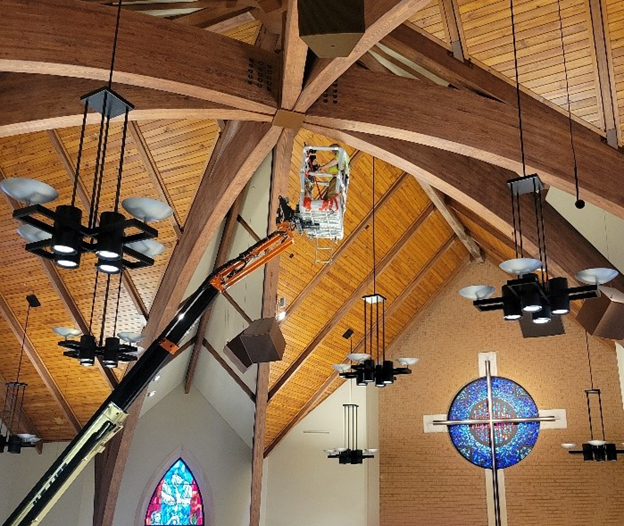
column 482, row 187
column 73, row 39
column 472, row 125
column 33, row 103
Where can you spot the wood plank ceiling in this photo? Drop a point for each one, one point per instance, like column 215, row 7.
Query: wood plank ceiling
column 417, row 250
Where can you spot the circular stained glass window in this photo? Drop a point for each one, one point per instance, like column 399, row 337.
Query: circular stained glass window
column 512, row 441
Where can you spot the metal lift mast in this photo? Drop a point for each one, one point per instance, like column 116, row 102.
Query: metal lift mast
column 109, row 418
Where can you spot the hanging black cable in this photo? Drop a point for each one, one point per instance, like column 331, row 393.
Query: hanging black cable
column 79, row 159
column 579, row 202
column 110, row 78
column 518, row 102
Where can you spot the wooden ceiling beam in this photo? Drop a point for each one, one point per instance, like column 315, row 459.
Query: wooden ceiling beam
column 356, row 296
column 58, row 104
column 607, row 90
column 207, row 17
column 453, row 28
column 379, row 108
column 396, row 305
column 482, row 187
column 228, row 369
column 382, row 16
column 154, row 174
column 295, row 53
column 30, row 44
column 39, row 365
column 439, row 201
column 167, row 6
column 346, row 244
column 25, row 421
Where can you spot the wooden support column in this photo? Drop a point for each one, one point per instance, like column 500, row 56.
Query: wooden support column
column 295, row 52
column 396, row 305
column 350, row 302
column 438, row 200
column 607, row 92
column 40, row 367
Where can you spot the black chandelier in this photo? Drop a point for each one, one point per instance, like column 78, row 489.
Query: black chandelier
column 539, row 296
column 595, row 449
column 111, row 349
column 11, row 417
column 60, row 235
column 532, row 291
column 349, row 453
column 371, row 366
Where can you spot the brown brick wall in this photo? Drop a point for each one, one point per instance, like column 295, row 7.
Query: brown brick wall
column 424, row 481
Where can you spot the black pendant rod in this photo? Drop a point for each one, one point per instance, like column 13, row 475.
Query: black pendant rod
column 102, row 328
column 21, row 358
column 515, row 51
column 117, row 307
column 121, row 159
column 79, row 159
column 110, row 78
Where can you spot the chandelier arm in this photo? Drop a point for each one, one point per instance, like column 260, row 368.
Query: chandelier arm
column 79, row 158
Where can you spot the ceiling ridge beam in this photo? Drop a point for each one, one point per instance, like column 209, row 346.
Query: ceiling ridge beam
column 396, row 304
column 439, row 201
column 206, row 17
column 356, row 295
column 39, row 365
column 228, row 369
column 346, row 243
column 601, row 51
column 382, row 16
column 154, row 174
column 70, row 170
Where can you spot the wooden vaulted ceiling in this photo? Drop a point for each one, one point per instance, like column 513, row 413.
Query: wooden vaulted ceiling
column 181, row 144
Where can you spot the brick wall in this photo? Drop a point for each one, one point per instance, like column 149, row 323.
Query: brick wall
column 424, row 481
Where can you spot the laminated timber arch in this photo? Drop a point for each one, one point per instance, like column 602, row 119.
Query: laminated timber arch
column 73, row 39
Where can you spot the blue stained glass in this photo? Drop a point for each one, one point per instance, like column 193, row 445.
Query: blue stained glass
column 176, row 500
column 513, row 441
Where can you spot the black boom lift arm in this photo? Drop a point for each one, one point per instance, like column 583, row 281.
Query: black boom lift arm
column 109, row 418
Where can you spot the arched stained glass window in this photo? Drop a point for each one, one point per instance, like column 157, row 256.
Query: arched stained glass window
column 176, row 499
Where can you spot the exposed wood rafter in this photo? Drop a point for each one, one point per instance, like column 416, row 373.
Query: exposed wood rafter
column 607, row 91
column 295, row 52
column 228, row 369
column 453, row 27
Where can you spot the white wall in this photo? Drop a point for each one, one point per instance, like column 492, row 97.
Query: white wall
column 19, row 473
column 189, row 425
column 305, row 488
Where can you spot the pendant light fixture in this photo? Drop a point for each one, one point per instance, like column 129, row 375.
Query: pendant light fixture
column 595, row 449
column 531, row 293
column 11, row 417
column 60, row 234
column 350, row 453
column 110, row 349
column 371, row 365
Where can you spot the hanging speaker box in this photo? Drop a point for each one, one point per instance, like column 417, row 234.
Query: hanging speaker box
column 331, row 28
column 604, row 316
column 262, row 341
